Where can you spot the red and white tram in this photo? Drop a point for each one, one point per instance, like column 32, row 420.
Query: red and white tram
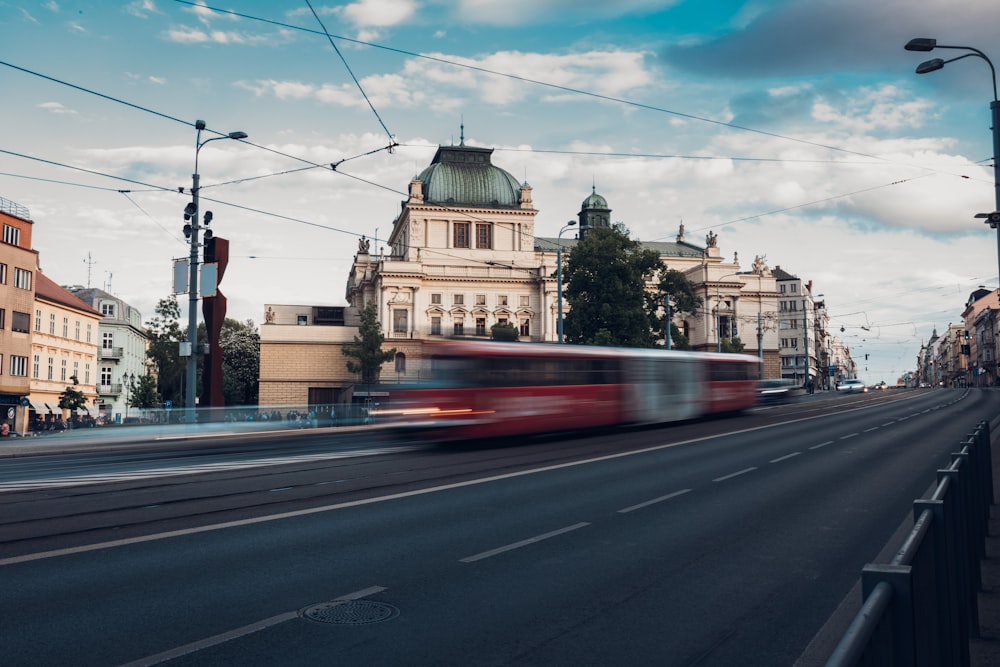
column 487, row 389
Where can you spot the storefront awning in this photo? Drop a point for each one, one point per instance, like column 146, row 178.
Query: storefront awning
column 47, row 407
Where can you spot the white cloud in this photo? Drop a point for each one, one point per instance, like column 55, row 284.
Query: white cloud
column 141, row 8
column 56, row 107
column 378, row 13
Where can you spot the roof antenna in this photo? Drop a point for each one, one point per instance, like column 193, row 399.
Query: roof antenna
column 90, row 265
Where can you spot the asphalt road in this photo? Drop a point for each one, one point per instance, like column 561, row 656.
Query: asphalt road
column 713, row 543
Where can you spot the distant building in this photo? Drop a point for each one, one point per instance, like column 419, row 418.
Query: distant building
column 18, row 266
column 123, row 344
column 63, row 346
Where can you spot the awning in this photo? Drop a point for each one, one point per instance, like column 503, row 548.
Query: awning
column 33, row 406
column 47, row 407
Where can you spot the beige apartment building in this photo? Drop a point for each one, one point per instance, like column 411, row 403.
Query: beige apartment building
column 18, row 267
column 63, row 345
column 462, row 256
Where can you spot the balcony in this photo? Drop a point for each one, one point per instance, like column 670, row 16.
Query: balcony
column 109, row 389
column 111, row 353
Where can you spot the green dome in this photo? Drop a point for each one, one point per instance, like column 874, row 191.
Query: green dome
column 464, row 175
column 594, row 201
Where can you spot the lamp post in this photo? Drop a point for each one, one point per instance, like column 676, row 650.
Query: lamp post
column 191, row 231
column 129, row 378
column 929, row 44
column 559, row 314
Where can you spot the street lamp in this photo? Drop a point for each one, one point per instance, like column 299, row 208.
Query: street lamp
column 929, row 44
column 559, row 315
column 129, row 379
column 191, row 231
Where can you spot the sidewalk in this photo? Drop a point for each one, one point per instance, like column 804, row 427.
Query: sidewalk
column 984, row 651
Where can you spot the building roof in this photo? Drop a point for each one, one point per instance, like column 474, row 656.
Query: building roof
column 663, row 248
column 781, row 274
column 46, row 289
column 464, row 175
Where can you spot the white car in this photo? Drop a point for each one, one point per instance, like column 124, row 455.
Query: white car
column 851, row 386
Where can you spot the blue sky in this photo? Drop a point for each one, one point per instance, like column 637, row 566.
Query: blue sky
column 794, row 129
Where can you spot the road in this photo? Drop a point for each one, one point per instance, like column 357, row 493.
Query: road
column 711, row 543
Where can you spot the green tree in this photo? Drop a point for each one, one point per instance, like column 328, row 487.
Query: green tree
column 732, row 345
column 240, row 342
column 683, row 300
column 72, row 399
column 367, row 347
column 504, row 332
column 165, row 335
column 605, row 286
column 143, row 393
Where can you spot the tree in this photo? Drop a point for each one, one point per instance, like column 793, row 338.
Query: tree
column 367, row 347
column 72, row 399
column 165, row 335
column 733, row 345
column 143, row 393
column 605, row 286
column 240, row 342
column 678, row 288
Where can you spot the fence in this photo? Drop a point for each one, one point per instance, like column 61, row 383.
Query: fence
column 922, row 607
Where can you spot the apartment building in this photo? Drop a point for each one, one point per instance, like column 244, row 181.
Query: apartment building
column 18, row 268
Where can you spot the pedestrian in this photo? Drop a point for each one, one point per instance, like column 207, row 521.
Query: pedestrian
column 4, row 429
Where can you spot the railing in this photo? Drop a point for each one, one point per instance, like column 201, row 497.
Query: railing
column 922, row 607
column 111, row 353
column 14, row 209
column 109, row 389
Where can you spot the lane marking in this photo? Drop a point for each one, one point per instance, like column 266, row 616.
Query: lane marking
column 785, row 457
column 734, row 474
column 822, row 444
column 654, row 501
column 888, row 423
column 849, row 435
column 224, row 637
column 873, row 428
column 522, row 543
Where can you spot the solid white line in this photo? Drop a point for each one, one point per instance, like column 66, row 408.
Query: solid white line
column 735, row 474
column 654, row 501
column 822, row 444
column 193, row 647
column 522, row 543
column 784, row 458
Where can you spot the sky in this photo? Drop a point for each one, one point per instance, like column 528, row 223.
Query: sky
column 796, row 130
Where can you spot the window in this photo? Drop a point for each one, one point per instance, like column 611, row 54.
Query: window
column 52, row 367
column 435, row 326
column 62, row 371
column 480, row 326
column 105, row 375
column 399, row 321
column 108, row 309
column 65, row 327
column 480, row 299
column 11, row 235
column 22, row 280
column 18, row 321
column 400, row 362
column 78, row 329
column 87, row 376
column 36, row 366
column 524, row 300
column 525, row 329
column 436, row 298
column 88, row 331
column 108, row 341
column 76, row 371
column 461, row 235
column 302, row 320
column 3, row 274
column 502, row 300
column 458, row 299
column 52, row 323
column 484, row 235
column 459, row 327
column 38, row 320
column 18, row 365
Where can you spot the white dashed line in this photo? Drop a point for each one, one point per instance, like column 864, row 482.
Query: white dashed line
column 785, row 457
column 822, row 444
column 735, row 474
column 654, row 501
column 522, row 543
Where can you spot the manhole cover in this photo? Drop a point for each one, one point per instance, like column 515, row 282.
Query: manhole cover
column 351, row 612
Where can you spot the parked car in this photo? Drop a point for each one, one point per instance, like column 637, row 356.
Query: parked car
column 848, row 386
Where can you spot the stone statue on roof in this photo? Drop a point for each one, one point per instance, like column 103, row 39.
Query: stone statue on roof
column 760, row 265
column 363, row 245
column 711, row 240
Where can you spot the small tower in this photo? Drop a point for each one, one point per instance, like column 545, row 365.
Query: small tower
column 594, row 213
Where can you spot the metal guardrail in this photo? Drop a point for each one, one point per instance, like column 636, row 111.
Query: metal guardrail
column 14, row 209
column 922, row 607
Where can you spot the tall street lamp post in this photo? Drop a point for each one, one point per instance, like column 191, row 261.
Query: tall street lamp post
column 191, row 231
column 929, row 44
column 559, row 314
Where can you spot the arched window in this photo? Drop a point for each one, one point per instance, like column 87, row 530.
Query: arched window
column 400, row 362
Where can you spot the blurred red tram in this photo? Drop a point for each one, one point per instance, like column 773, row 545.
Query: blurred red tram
column 487, row 389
